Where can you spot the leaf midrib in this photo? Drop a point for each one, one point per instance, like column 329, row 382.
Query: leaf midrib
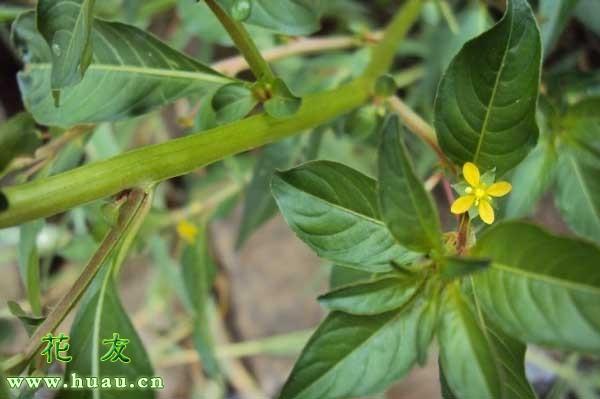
column 547, row 279
column 169, row 73
column 494, row 91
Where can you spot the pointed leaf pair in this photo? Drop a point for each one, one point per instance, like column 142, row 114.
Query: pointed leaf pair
column 233, row 102
column 477, row 360
column 131, row 73
column 407, row 208
column 352, row 356
column 546, row 290
column 485, row 106
column 66, row 25
column 333, row 209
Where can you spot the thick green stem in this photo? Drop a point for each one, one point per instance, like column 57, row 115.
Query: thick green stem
column 259, row 66
column 131, row 214
column 55, row 194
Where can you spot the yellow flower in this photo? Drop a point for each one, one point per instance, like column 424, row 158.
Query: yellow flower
column 478, row 194
column 187, row 231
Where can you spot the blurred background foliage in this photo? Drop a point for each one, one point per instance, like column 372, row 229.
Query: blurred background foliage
column 222, row 220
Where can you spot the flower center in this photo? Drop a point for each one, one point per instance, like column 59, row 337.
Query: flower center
column 479, row 193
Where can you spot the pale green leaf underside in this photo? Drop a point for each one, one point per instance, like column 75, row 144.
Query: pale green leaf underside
column 291, row 17
column 352, row 356
column 66, row 25
column 545, row 291
column 485, row 107
column 478, row 361
column 131, row 73
column 333, row 209
column 373, row 297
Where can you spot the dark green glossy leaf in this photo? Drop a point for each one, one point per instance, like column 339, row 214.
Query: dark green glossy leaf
column 446, row 391
column 478, row 361
column 100, row 315
column 578, row 188
column 352, row 356
column 428, row 321
column 372, row 298
column 554, row 16
column 485, row 106
column 233, row 102
column 259, row 205
column 333, row 209
column 283, row 102
column 407, row 208
column 546, row 290
column 66, row 25
column 291, row 17
column 341, row 276
column 199, row 271
column 131, row 73
column 17, row 137
column 457, row 267
column 29, row 263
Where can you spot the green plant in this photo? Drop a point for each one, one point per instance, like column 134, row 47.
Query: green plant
column 482, row 292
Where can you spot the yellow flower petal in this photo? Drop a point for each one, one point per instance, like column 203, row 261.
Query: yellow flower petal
column 471, row 174
column 462, row 204
column 187, row 231
column 486, row 212
column 499, row 189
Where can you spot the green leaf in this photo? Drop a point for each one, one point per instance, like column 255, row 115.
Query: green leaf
column 100, row 315
column 283, row 102
column 259, row 205
column 587, row 11
column 446, row 391
column 531, row 180
column 428, row 321
column 30, row 322
column 290, row 17
column 66, row 25
column 18, row 137
column 546, row 290
column 351, row 356
column 341, row 276
column 578, row 190
column 233, row 102
column 457, row 267
column 333, row 209
column 363, row 122
column 4, row 392
column 407, row 208
column 554, row 16
column 372, row 298
column 199, row 273
column 29, row 263
column 485, row 106
column 131, row 74
column 478, row 361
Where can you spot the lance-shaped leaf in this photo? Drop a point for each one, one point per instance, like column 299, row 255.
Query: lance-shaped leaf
column 259, row 205
column 291, row 17
column 578, row 191
column 545, row 290
column 131, row 73
column 485, row 106
column 233, row 102
column 199, row 273
column 101, row 315
column 352, row 356
column 372, row 298
column 333, row 209
column 406, row 207
column 67, row 26
column 479, row 361
column 456, row 267
column 17, row 137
